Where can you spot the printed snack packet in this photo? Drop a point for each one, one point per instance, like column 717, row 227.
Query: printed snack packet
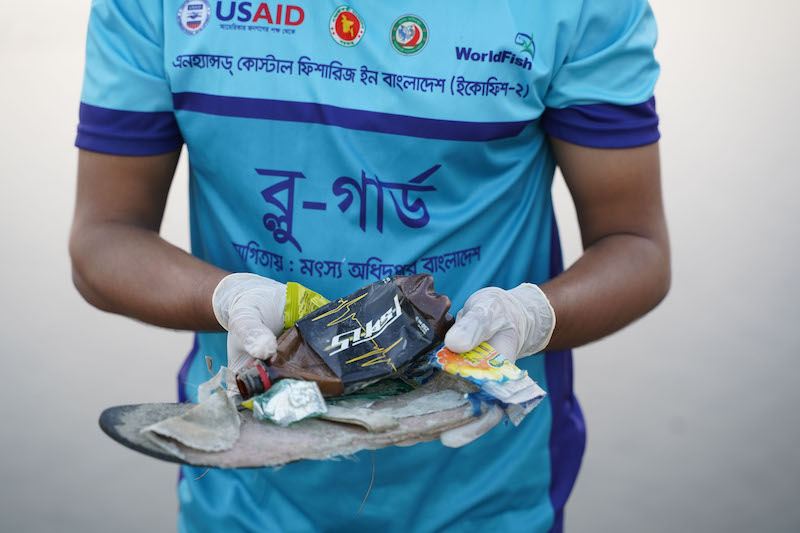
column 491, row 371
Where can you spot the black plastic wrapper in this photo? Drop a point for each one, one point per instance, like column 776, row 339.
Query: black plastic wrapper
column 373, row 333
column 350, row 343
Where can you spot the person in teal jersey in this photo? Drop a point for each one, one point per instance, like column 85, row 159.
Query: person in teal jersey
column 333, row 144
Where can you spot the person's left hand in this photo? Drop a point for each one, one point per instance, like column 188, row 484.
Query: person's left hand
column 517, row 322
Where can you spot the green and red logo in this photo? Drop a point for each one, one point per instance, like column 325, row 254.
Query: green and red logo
column 347, row 28
column 409, row 35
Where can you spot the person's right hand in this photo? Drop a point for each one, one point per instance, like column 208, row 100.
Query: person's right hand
column 251, row 308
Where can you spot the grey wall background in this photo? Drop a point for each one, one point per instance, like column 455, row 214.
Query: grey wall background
column 691, row 411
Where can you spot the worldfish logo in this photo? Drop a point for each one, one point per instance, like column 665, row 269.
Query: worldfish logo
column 464, row 53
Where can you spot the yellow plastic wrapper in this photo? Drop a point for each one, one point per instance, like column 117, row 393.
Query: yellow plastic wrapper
column 300, row 301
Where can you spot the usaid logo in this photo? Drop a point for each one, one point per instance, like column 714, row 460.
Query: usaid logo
column 193, row 16
column 277, row 14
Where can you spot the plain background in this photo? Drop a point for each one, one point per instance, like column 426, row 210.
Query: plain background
column 691, row 411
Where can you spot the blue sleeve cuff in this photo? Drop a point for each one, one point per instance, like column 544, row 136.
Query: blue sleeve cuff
column 117, row 132
column 604, row 125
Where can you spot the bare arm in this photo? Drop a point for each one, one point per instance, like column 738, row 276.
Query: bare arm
column 119, row 262
column 625, row 269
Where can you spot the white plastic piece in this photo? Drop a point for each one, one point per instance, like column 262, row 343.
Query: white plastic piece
column 205, row 390
column 461, row 436
column 210, row 426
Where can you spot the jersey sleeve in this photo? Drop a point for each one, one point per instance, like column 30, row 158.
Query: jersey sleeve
column 126, row 102
column 602, row 94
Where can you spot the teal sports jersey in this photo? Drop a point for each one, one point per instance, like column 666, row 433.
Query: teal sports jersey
column 336, row 144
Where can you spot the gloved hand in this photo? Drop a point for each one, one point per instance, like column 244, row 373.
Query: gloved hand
column 251, row 308
column 517, row 322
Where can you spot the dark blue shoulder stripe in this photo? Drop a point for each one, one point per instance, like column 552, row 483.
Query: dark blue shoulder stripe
column 113, row 131
column 604, row 125
column 354, row 119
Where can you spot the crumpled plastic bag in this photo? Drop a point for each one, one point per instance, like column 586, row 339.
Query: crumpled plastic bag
column 211, row 426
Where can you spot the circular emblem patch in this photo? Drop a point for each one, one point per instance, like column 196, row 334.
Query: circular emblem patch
column 409, row 34
column 193, row 16
column 347, row 28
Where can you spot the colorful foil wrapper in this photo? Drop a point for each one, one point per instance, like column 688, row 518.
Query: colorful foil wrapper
column 289, row 400
column 492, row 372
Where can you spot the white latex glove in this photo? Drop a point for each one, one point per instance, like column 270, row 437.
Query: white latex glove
column 517, row 322
column 251, row 308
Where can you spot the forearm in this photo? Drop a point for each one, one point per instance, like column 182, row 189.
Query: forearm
column 618, row 279
column 129, row 270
